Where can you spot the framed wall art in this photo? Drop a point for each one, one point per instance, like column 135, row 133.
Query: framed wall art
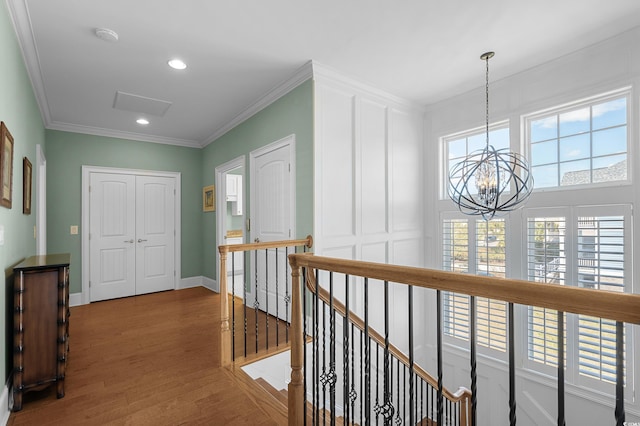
column 208, row 199
column 27, row 171
column 6, row 166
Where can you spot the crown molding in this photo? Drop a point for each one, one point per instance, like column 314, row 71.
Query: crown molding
column 301, row 75
column 323, row 73
column 21, row 20
column 97, row 131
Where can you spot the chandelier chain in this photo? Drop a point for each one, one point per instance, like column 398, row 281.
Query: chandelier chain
column 486, row 92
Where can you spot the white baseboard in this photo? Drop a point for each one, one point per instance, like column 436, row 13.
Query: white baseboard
column 4, row 402
column 210, row 284
column 75, row 299
column 189, row 283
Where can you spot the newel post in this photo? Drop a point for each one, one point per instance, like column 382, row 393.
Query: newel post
column 225, row 332
column 296, row 385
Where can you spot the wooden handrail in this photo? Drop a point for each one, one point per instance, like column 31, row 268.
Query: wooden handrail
column 225, row 329
column 460, row 394
column 622, row 307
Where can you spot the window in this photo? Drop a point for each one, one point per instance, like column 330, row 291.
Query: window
column 597, row 260
column 546, row 262
column 459, row 146
column 485, row 257
column 583, row 144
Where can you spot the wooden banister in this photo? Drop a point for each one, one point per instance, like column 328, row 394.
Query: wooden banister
column 622, row 307
column 224, row 250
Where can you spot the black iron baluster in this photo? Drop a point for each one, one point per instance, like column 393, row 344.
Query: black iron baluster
column 244, row 300
column 473, row 358
column 561, row 420
column 512, row 369
column 619, row 412
column 277, row 302
column 287, row 298
column 439, row 351
column 266, row 294
column 316, row 363
column 376, row 406
column 388, row 367
column 233, row 307
column 323, row 375
column 304, row 339
column 345, row 355
column 256, row 304
column 412, row 419
column 367, row 354
column 353, row 373
column 332, row 355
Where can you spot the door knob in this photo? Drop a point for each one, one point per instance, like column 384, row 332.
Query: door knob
column 131, row 241
column 141, row 240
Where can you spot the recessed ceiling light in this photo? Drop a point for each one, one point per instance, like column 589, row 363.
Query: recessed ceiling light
column 142, row 121
column 106, row 34
column 177, row 64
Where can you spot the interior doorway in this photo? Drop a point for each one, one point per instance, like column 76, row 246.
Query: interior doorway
column 231, row 224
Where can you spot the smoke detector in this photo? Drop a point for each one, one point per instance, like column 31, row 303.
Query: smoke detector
column 106, row 34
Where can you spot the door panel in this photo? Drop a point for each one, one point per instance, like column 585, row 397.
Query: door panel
column 155, row 234
column 112, row 233
column 272, row 219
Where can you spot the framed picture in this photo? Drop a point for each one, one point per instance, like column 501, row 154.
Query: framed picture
column 27, row 171
column 6, row 166
column 208, row 199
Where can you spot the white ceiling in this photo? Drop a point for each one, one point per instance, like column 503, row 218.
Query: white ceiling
column 238, row 51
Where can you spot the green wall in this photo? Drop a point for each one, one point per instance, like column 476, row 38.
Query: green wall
column 68, row 152
column 291, row 114
column 20, row 113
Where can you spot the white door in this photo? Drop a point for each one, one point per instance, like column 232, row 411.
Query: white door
column 132, row 235
column 155, row 234
column 272, row 219
column 112, row 236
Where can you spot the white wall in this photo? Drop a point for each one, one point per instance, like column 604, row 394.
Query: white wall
column 612, row 64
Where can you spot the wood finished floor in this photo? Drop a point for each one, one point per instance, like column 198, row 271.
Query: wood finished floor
column 150, row 360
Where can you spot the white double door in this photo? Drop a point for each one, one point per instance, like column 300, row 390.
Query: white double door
column 132, row 235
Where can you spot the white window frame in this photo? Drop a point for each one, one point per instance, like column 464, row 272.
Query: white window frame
column 444, row 144
column 585, row 102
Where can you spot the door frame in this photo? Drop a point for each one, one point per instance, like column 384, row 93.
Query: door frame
column 221, row 206
column 84, row 226
column 41, row 206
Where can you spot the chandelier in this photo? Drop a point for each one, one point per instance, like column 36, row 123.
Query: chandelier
column 490, row 182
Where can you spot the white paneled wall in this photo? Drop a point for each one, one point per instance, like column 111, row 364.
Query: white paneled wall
column 369, row 179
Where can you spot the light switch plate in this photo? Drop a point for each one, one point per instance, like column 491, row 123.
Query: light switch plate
column 1, row 235
column 73, row 230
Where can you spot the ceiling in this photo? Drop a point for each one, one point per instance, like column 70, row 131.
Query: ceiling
column 242, row 53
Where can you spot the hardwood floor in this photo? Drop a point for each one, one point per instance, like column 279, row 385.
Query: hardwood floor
column 150, row 360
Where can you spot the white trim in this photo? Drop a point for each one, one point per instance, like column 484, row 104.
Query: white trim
column 210, row 284
column 98, row 131
column 301, row 75
column 86, row 174
column 4, row 402
column 221, row 205
column 41, row 197
column 21, row 20
column 189, row 283
column 75, row 299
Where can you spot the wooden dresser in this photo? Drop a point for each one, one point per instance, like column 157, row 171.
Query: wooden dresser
column 40, row 324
